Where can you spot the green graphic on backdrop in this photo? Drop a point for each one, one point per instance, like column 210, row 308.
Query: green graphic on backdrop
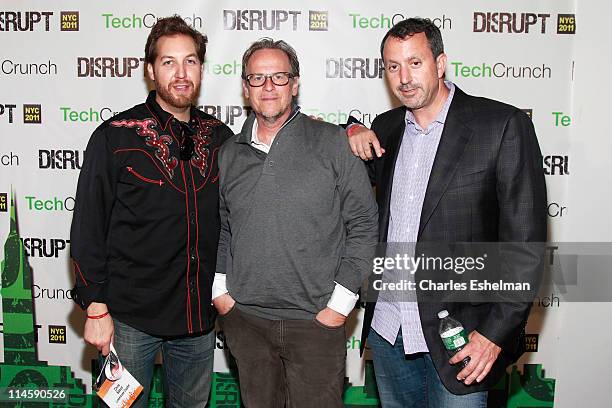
column 22, row 369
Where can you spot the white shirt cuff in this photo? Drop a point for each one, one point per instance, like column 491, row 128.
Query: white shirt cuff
column 219, row 287
column 342, row 300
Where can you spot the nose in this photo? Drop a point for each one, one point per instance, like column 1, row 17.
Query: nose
column 268, row 85
column 180, row 70
column 405, row 75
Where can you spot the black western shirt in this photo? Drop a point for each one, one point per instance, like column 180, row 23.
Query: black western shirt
column 145, row 227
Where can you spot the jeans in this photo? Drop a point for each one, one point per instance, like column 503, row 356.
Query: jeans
column 411, row 381
column 286, row 363
column 187, row 363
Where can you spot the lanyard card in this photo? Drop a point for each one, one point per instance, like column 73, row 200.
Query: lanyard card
column 115, row 385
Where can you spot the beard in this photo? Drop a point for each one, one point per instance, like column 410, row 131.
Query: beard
column 178, row 101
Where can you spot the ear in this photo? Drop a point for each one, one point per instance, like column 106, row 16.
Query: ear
column 295, row 86
column 245, row 89
column 150, row 71
column 441, row 65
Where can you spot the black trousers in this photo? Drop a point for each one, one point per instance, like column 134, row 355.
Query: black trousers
column 286, row 363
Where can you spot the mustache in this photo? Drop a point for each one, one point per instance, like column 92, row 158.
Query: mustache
column 407, row 87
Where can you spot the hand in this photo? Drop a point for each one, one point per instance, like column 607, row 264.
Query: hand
column 362, row 140
column 99, row 332
column 482, row 352
column 224, row 303
column 330, row 318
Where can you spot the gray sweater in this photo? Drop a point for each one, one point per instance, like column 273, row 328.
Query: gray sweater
column 294, row 220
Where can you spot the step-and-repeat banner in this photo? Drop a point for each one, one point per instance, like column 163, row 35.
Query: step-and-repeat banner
column 67, row 66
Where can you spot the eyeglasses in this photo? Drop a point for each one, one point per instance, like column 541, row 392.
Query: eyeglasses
column 277, row 78
column 186, row 146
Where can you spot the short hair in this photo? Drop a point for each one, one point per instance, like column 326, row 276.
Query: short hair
column 269, row 43
column 169, row 26
column 415, row 25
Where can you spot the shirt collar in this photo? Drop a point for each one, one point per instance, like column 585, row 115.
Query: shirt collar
column 441, row 118
column 164, row 118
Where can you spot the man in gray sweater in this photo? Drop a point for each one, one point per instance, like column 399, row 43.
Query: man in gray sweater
column 298, row 232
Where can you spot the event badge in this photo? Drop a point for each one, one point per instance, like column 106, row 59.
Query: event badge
column 115, row 385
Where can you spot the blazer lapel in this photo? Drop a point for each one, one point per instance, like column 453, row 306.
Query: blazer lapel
column 455, row 137
column 392, row 149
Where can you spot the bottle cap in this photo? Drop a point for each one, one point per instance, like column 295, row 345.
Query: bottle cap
column 442, row 314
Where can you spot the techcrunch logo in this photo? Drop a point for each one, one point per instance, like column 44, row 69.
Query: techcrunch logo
column 88, row 115
column 10, row 159
column 47, row 293
column 112, row 21
column 37, row 20
column 382, row 21
column 500, row 70
column 220, row 68
column 521, row 23
column 9, row 67
column 51, row 204
column 113, row 67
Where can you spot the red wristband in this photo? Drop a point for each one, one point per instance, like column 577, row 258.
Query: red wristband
column 352, row 128
column 97, row 316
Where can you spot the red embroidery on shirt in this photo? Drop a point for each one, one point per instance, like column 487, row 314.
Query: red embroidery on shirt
column 153, row 139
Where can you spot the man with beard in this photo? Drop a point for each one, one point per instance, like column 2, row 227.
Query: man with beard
column 146, row 224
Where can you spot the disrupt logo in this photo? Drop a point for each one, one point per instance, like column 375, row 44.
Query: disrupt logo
column 46, row 293
column 531, row 343
column 556, row 165
column 25, row 20
column 9, row 67
column 88, row 115
column 354, row 68
column 500, row 70
column 57, row 334
column 269, row 20
column 53, row 204
column 60, row 159
column 102, row 67
column 521, row 23
column 69, row 21
column 228, row 113
column 9, row 159
column 360, row 21
column 32, row 113
column 3, row 202
column 112, row 21
column 317, row 20
column 44, row 247
column 7, row 109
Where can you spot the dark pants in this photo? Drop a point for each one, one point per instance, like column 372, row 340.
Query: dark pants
column 300, row 363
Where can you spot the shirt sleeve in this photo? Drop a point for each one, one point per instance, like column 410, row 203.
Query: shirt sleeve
column 342, row 300
column 94, row 201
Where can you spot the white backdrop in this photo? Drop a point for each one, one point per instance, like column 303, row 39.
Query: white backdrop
column 549, row 70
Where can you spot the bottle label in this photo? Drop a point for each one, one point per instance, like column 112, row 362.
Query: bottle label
column 454, row 338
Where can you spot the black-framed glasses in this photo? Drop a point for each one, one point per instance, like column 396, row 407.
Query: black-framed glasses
column 277, row 78
column 187, row 145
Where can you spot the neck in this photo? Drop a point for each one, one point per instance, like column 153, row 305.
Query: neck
column 267, row 127
column 427, row 114
column 182, row 114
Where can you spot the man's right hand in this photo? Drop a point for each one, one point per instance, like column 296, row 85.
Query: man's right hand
column 362, row 140
column 224, row 303
column 99, row 332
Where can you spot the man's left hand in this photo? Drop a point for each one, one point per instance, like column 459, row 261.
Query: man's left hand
column 482, row 352
column 330, row 318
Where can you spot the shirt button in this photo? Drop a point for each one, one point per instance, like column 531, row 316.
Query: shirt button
column 271, row 163
column 192, row 217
